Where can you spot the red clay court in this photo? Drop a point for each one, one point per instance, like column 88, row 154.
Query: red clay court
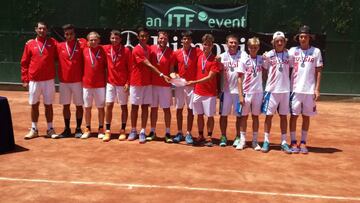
column 74, row 170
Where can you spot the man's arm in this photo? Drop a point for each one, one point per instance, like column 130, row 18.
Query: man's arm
column 317, row 85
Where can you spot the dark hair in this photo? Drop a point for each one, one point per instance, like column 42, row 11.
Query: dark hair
column 232, row 36
column 187, row 33
column 68, row 27
column 115, row 32
column 142, row 29
column 42, row 23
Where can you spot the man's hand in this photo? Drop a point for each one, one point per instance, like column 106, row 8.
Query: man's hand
column 316, row 95
column 126, row 87
column 25, row 84
column 166, row 78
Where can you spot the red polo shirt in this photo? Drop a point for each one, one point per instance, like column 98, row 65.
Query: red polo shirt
column 208, row 88
column 162, row 60
column 118, row 64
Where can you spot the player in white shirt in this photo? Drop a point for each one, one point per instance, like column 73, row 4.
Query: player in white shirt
column 305, row 85
column 252, row 65
column 231, row 96
column 277, row 90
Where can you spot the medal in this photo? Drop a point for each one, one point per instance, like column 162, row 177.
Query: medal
column 303, row 59
column 233, row 60
column 254, row 74
column 280, row 61
column 41, row 50
column 232, row 69
column 280, row 68
column 159, row 56
column 186, row 57
column 91, row 59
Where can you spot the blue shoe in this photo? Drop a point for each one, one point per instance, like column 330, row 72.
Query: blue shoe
column 304, row 150
column 295, row 149
column 142, row 138
column 266, row 147
column 178, row 138
column 236, row 141
column 132, row 136
column 285, row 148
column 223, row 141
column 188, row 139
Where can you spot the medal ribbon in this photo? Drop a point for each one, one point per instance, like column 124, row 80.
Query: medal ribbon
column 186, row 57
column 203, row 63
column 42, row 48
column 73, row 50
column 114, row 57
column 159, row 56
column 91, row 59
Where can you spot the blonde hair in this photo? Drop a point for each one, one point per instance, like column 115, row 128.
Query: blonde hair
column 208, row 38
column 253, row 41
column 93, row 33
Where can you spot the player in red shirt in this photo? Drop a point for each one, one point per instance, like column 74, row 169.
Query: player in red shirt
column 94, row 81
column 70, row 73
column 37, row 74
column 117, row 88
column 140, row 84
column 204, row 99
column 162, row 57
column 186, row 61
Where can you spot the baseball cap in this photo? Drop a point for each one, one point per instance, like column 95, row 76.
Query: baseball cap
column 278, row 34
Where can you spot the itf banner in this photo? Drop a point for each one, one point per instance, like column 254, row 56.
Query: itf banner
column 175, row 17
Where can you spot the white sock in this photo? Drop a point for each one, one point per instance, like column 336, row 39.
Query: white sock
column 167, row 130
column 243, row 136
column 293, row 136
column 34, row 125
column 266, row 137
column 255, row 136
column 152, row 130
column 188, row 132
column 49, row 125
column 133, row 129
column 142, row 130
column 283, row 138
column 304, row 135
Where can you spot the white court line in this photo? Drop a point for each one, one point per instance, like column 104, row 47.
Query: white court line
column 132, row 186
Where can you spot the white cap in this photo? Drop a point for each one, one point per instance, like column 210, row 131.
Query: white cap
column 278, row 34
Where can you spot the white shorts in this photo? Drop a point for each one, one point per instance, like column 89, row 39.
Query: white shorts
column 68, row 90
column 229, row 102
column 183, row 95
column 302, row 104
column 116, row 93
column 276, row 102
column 38, row 88
column 161, row 96
column 252, row 104
column 141, row 95
column 97, row 94
column 204, row 105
